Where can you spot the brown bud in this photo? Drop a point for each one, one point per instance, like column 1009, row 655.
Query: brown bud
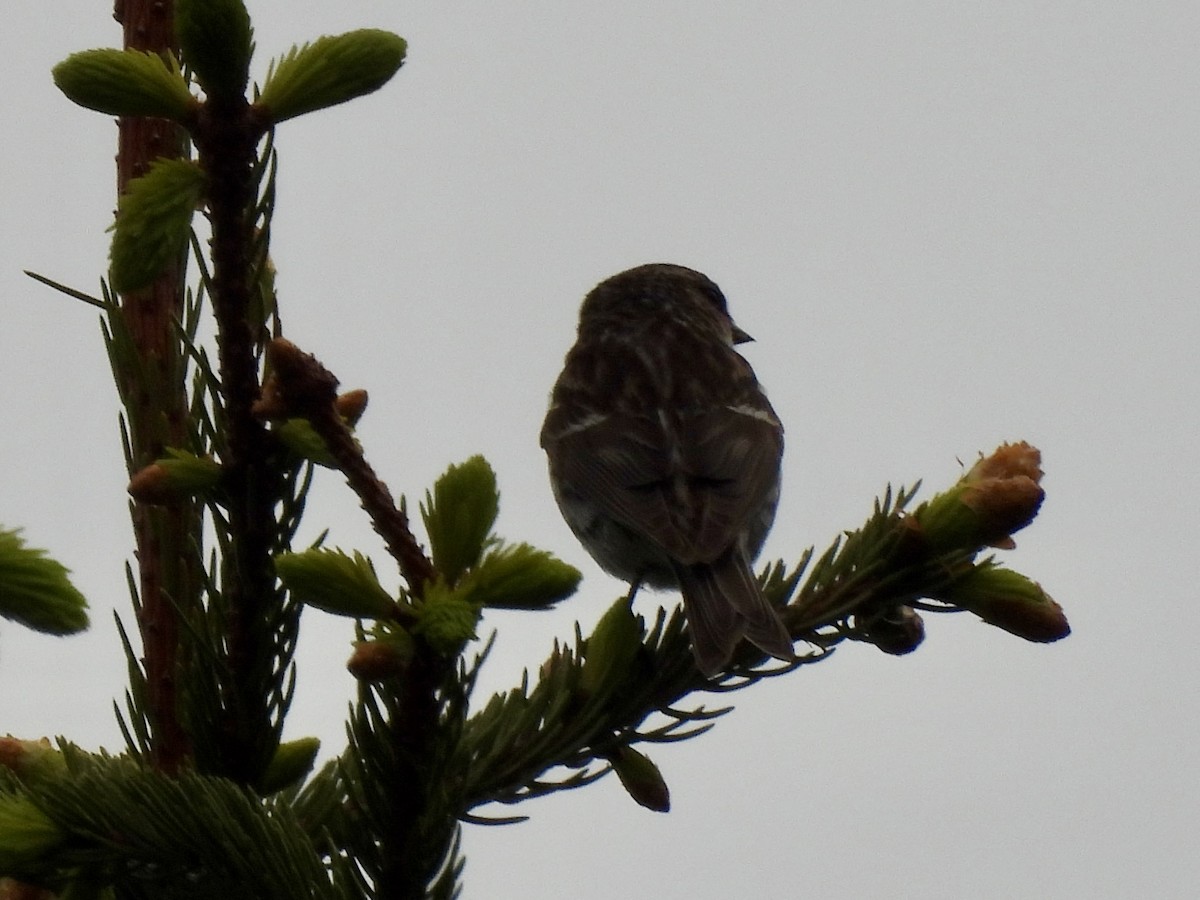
column 1000, row 495
column 1009, row 461
column 1004, row 506
column 152, row 485
column 14, row 751
column 32, row 761
column 1004, row 489
column 177, row 476
column 897, row 631
column 351, row 405
column 1009, row 600
column 374, row 661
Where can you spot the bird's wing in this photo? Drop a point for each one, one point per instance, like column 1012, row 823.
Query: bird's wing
column 689, row 488
column 619, row 464
column 731, row 459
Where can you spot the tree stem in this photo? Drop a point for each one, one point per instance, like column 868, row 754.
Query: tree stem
column 156, row 407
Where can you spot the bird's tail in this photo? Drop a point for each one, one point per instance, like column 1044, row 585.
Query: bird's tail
column 723, row 603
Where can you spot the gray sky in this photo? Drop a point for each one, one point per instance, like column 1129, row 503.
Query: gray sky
column 948, row 225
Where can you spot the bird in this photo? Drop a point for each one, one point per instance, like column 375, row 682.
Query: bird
column 665, row 454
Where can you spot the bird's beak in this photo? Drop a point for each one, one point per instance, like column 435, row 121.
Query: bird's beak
column 740, row 337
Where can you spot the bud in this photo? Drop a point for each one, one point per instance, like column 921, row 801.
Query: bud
column 898, row 631
column 329, row 71
column 35, row 590
column 519, row 576
column 384, row 655
column 32, row 761
column 458, row 516
column 999, row 496
column 380, row 659
column 217, row 42
column 126, row 83
column 179, row 475
column 152, row 485
column 447, row 619
column 291, row 762
column 612, row 648
column 301, row 438
column 1009, row 600
column 1009, row 461
column 351, row 405
column 336, row 583
column 297, row 434
column 28, row 838
column 641, row 779
column 154, row 220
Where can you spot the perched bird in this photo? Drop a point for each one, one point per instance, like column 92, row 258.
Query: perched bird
column 664, row 453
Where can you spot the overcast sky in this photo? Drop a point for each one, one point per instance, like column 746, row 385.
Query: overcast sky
column 948, row 224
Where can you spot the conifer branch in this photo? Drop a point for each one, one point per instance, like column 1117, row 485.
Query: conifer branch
column 155, row 404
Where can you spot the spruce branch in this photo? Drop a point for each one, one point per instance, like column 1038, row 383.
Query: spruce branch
column 226, row 140
column 623, row 685
column 301, row 386
column 161, row 837
column 35, row 590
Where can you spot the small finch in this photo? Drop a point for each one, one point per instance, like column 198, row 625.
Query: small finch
column 664, row 453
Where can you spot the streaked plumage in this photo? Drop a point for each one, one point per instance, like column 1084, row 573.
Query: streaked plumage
column 664, row 453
